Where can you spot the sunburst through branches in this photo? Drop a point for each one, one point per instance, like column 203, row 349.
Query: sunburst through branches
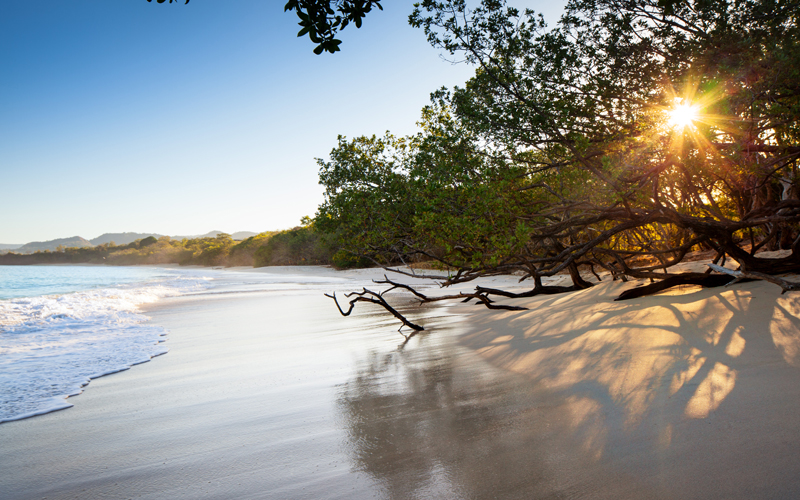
column 683, row 115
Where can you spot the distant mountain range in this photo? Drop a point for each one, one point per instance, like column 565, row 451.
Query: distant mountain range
column 117, row 238
column 238, row 236
column 121, row 238
column 75, row 241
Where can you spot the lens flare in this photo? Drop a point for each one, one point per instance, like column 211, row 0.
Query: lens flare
column 683, row 115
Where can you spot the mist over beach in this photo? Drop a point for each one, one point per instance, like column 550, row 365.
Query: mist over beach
column 444, row 250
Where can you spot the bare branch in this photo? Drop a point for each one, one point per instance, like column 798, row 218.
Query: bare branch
column 374, row 298
column 786, row 286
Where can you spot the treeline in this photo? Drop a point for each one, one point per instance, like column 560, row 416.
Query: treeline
column 619, row 140
column 302, row 245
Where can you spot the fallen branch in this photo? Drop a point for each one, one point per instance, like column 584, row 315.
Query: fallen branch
column 537, row 290
column 374, row 298
column 786, row 286
column 702, row 279
column 479, row 294
column 377, row 298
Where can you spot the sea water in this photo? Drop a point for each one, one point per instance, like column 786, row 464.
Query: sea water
column 61, row 326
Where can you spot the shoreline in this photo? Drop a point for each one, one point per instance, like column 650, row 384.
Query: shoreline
column 271, row 393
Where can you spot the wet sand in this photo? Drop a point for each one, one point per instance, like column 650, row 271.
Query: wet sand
column 272, row 394
column 275, row 395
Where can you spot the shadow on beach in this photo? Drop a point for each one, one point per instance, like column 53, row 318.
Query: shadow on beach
column 271, row 394
column 435, row 421
column 695, row 392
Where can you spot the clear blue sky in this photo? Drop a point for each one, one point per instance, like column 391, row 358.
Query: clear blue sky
column 126, row 115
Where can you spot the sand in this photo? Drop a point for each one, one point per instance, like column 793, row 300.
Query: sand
column 272, row 394
column 693, row 391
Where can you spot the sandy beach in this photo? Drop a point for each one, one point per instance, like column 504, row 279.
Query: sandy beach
column 270, row 393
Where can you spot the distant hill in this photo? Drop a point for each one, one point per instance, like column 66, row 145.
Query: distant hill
column 121, row 238
column 35, row 246
column 9, row 246
column 117, row 238
column 242, row 235
column 239, row 235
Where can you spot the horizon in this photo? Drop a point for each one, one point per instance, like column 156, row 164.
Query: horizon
column 175, row 118
column 173, row 236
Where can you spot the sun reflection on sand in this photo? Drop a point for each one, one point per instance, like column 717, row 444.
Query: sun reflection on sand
column 785, row 329
column 679, row 355
column 686, row 395
column 712, row 391
column 694, row 362
column 736, row 346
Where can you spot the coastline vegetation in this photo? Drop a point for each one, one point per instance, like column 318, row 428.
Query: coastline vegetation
column 621, row 139
column 628, row 135
column 298, row 246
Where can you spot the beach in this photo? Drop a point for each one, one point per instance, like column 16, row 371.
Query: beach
column 271, row 393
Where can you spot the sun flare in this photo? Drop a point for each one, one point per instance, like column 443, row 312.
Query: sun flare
column 682, row 115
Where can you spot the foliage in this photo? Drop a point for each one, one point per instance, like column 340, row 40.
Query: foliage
column 243, row 253
column 431, row 196
column 564, row 149
column 148, row 241
column 321, row 20
column 221, row 250
column 297, row 246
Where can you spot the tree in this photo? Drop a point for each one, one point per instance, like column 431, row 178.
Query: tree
column 628, row 135
column 150, row 240
column 322, row 20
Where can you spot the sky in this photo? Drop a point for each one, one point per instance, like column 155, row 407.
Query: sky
column 181, row 119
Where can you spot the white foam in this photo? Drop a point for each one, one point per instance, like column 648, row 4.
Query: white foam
column 52, row 346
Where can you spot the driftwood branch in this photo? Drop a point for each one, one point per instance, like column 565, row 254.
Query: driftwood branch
column 536, row 290
column 727, row 277
column 786, row 286
column 378, row 299
column 702, row 279
column 373, row 298
column 479, row 295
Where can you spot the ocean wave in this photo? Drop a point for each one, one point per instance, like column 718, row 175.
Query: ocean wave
column 52, row 346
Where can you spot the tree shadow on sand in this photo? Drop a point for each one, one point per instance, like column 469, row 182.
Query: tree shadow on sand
column 648, row 371
column 435, row 421
column 689, row 395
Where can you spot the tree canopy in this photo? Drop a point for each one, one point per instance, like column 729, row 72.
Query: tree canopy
column 632, row 132
column 322, row 20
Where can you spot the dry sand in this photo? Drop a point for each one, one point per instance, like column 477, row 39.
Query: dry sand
column 272, row 394
column 695, row 392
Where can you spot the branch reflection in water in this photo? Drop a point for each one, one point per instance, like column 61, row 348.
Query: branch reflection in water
column 433, row 420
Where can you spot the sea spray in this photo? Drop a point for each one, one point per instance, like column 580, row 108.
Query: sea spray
column 52, row 346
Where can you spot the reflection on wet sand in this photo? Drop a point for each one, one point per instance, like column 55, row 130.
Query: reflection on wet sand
column 274, row 395
column 432, row 420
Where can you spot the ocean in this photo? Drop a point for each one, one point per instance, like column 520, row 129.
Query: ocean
column 61, row 326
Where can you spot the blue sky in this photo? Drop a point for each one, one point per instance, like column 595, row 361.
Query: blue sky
column 179, row 119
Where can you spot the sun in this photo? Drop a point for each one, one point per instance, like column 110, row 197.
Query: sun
column 683, row 115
